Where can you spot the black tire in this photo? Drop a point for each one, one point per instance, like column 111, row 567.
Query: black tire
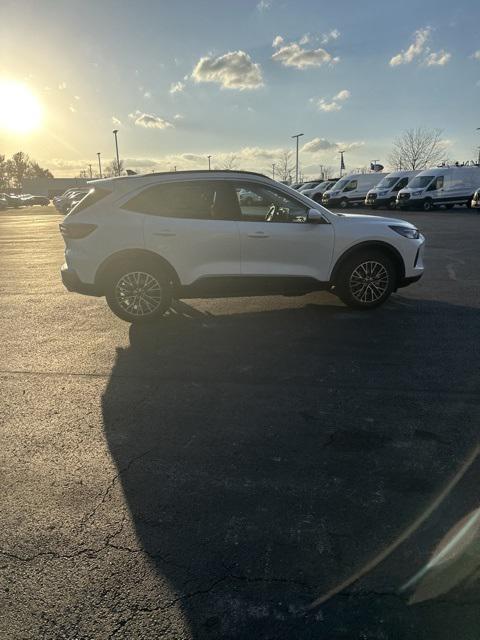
column 130, row 277
column 428, row 205
column 343, row 204
column 348, row 280
column 392, row 204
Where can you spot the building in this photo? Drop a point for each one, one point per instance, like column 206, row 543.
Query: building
column 50, row 186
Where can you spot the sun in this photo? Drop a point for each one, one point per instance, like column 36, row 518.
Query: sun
column 20, row 110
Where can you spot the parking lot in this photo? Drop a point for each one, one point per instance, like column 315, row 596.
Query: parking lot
column 216, row 474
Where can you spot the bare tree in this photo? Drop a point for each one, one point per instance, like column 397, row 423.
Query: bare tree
column 417, row 149
column 325, row 172
column 113, row 169
column 284, row 166
column 230, row 163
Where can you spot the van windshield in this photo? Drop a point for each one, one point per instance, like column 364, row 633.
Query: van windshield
column 420, row 182
column 342, row 183
column 388, row 183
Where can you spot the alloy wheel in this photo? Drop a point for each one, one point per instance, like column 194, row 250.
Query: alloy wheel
column 138, row 293
column 369, row 281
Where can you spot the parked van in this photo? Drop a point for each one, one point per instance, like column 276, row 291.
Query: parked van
column 317, row 192
column 385, row 193
column 446, row 186
column 351, row 189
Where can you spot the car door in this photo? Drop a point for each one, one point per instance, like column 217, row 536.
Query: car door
column 277, row 239
column 190, row 224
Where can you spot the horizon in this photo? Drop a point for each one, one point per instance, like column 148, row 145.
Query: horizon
column 239, row 81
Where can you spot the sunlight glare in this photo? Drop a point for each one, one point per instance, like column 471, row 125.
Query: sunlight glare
column 20, row 110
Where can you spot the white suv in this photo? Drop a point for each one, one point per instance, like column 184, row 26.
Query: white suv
column 142, row 241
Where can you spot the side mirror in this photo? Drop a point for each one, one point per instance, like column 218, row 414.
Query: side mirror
column 315, row 217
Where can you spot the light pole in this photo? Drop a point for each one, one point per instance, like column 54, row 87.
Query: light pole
column 99, row 164
column 90, row 168
column 478, row 159
column 209, row 162
column 273, row 171
column 115, row 131
column 297, row 136
column 342, row 163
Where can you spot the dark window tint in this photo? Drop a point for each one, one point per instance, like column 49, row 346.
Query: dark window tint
column 200, row 200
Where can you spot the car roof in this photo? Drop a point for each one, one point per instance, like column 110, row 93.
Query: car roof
column 194, row 172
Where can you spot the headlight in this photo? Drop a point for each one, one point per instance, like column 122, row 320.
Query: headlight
column 406, row 232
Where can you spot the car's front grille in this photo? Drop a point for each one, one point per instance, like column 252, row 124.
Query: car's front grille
column 372, row 196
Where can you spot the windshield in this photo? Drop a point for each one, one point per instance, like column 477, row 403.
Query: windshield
column 309, row 185
column 388, row 183
column 341, row 183
column 420, row 182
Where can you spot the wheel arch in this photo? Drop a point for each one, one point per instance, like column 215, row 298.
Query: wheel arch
column 128, row 254
column 391, row 251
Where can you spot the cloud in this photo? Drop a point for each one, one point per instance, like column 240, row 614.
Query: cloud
column 295, row 55
column 264, row 5
column 177, row 87
column 193, row 157
column 476, row 55
column 305, row 39
column 178, row 116
column 140, row 163
column 334, row 34
column 334, row 104
column 322, row 144
column 417, row 47
column 149, row 121
column 233, row 70
column 116, row 122
column 437, row 58
column 318, row 144
column 147, row 94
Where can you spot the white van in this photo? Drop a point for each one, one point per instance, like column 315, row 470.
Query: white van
column 317, row 192
column 351, row 189
column 446, row 186
column 385, row 193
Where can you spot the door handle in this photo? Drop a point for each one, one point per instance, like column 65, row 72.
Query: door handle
column 258, row 234
column 164, row 233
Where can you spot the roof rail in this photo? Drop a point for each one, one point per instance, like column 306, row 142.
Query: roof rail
column 189, row 171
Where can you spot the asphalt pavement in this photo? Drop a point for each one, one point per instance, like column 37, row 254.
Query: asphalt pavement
column 259, row 468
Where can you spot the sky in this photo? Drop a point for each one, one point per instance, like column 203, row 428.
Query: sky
column 186, row 79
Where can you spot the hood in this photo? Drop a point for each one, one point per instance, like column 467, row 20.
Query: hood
column 373, row 219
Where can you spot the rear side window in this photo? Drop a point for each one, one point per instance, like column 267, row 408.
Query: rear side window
column 93, row 196
column 198, row 200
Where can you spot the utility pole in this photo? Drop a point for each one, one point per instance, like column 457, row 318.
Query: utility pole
column 115, row 131
column 209, row 162
column 342, row 163
column 90, row 167
column 297, row 136
column 99, row 164
column 273, row 171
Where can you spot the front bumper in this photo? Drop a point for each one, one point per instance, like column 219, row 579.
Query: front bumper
column 72, row 282
column 377, row 202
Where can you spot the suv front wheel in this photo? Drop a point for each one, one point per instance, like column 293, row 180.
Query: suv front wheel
column 366, row 280
column 138, row 291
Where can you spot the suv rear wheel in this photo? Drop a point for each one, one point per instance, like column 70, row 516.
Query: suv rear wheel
column 138, row 291
column 366, row 279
